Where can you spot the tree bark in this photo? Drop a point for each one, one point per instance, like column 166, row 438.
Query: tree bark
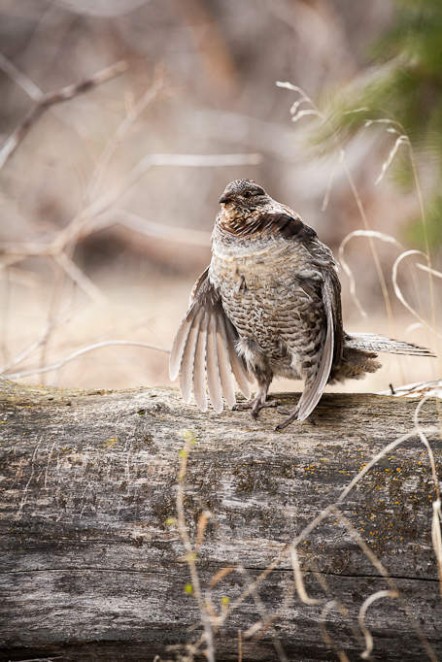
column 94, row 564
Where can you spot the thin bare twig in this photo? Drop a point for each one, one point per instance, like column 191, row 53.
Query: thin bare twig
column 372, row 234
column 80, row 352
column 55, row 303
column 136, row 223
column 6, row 304
column 189, row 441
column 379, row 595
column 299, row 580
column 151, row 94
column 397, row 129
column 374, row 253
column 399, row 293
column 328, row 639
column 377, row 563
column 298, row 114
column 81, row 223
column 26, row 84
column 45, row 101
column 36, row 344
column 79, row 278
column 429, row 270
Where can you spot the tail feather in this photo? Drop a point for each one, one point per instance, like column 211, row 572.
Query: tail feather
column 213, row 370
column 242, row 375
column 188, row 356
column 371, row 342
column 199, row 366
column 225, row 371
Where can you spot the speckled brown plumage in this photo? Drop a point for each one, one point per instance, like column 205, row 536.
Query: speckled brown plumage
column 269, row 304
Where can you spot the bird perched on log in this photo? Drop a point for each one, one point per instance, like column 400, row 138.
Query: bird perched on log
column 269, row 304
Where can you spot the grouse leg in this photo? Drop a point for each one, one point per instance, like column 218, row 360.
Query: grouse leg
column 264, row 380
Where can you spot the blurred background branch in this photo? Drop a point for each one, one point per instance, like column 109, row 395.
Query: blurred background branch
column 45, row 101
column 108, row 204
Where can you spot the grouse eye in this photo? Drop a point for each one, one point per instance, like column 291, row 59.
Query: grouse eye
column 248, row 194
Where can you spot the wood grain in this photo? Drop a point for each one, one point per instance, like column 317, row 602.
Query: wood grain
column 92, row 568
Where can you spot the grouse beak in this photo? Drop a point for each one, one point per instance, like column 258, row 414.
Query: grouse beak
column 225, row 198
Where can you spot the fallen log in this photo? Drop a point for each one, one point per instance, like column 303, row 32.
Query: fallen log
column 119, row 544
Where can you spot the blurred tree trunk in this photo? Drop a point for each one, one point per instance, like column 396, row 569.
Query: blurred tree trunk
column 93, row 567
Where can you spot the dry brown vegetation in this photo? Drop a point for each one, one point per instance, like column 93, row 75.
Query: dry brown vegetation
column 110, row 180
column 121, row 123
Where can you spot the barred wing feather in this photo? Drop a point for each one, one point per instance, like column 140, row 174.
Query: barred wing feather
column 204, row 353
